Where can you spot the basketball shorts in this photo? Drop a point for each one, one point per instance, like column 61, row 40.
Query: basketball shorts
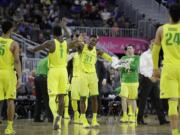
column 88, row 84
column 57, row 81
column 75, row 88
column 170, row 82
column 129, row 90
column 8, row 82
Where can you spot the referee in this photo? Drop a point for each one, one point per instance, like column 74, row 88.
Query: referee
column 42, row 98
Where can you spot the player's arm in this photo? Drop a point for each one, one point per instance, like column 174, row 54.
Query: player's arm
column 155, row 52
column 64, row 27
column 70, row 56
column 50, row 45
column 157, row 47
column 103, row 73
column 76, row 44
column 15, row 50
column 104, row 55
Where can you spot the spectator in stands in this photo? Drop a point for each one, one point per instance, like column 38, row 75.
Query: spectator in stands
column 45, row 13
column 105, row 15
column 115, row 29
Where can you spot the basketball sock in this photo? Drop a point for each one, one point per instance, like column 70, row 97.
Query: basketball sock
column 83, row 117
column 10, row 124
column 74, row 105
column 124, row 114
column 53, row 106
column 66, row 104
column 75, row 109
column 130, row 112
column 94, row 116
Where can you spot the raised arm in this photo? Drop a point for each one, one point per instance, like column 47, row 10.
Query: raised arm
column 64, row 27
column 104, row 55
column 47, row 44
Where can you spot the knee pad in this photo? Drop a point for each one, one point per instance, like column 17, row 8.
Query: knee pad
column 173, row 108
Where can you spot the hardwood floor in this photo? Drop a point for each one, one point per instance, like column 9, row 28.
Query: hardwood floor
column 109, row 126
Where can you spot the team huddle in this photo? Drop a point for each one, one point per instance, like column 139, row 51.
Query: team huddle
column 84, row 83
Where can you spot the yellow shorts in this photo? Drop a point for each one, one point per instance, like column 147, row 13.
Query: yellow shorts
column 75, row 88
column 170, row 82
column 57, row 81
column 68, row 88
column 88, row 84
column 129, row 90
column 8, row 81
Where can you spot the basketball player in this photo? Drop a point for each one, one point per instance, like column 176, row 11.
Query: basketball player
column 57, row 74
column 89, row 80
column 75, row 83
column 168, row 36
column 9, row 59
column 129, row 85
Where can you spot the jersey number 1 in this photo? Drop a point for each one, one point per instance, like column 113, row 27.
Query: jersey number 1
column 61, row 52
column 2, row 50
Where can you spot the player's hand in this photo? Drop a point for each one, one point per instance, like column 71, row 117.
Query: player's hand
column 156, row 74
column 18, row 85
column 30, row 49
column 63, row 23
column 80, row 38
column 104, row 82
column 153, row 79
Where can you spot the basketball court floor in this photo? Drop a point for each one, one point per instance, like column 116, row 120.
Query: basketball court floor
column 109, row 126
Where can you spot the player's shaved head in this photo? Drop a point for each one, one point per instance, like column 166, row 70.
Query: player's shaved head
column 57, row 31
column 174, row 12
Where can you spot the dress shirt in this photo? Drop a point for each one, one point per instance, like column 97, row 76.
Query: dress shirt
column 146, row 64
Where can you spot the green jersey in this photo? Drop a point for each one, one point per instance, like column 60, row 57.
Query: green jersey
column 130, row 75
column 42, row 67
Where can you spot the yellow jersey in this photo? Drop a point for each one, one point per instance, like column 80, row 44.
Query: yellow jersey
column 58, row 59
column 76, row 64
column 171, row 44
column 88, row 59
column 6, row 56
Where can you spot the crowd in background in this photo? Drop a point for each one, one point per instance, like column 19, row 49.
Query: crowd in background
column 37, row 17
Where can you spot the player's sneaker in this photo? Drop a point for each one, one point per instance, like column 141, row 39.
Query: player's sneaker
column 57, row 123
column 95, row 123
column 132, row 119
column 9, row 131
column 76, row 118
column 81, row 120
column 85, row 123
column 124, row 119
column 95, row 132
